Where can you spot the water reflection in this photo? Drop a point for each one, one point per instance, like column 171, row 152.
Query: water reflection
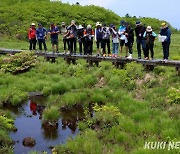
column 29, row 124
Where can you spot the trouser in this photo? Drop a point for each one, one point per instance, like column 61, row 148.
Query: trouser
column 166, row 46
column 151, row 48
column 42, row 41
column 73, row 42
column 139, row 44
column 32, row 44
column 88, row 46
column 80, row 47
column 115, row 47
column 66, row 42
column 130, row 45
column 104, row 42
column 98, row 43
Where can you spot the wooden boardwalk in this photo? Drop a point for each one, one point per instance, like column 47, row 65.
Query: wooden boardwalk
column 94, row 60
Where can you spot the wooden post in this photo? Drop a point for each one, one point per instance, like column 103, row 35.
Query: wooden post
column 149, row 67
column 178, row 70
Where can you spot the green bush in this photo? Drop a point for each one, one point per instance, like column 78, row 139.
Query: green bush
column 51, row 114
column 174, row 95
column 18, row 63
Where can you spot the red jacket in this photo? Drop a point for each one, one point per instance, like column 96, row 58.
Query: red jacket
column 32, row 33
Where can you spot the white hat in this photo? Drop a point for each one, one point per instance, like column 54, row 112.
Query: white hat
column 80, row 27
column 33, row 24
column 98, row 24
column 149, row 29
column 88, row 26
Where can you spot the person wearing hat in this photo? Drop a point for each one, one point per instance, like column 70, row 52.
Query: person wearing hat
column 129, row 33
column 98, row 37
column 65, row 33
column 149, row 36
column 165, row 31
column 106, row 40
column 80, row 35
column 32, row 37
column 123, row 38
column 139, row 30
column 41, row 33
column 54, row 31
column 88, row 40
column 72, row 37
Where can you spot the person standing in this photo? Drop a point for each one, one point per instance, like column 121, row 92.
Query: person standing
column 98, row 37
column 106, row 40
column 54, row 31
column 165, row 31
column 80, row 35
column 149, row 36
column 41, row 33
column 72, row 37
column 129, row 33
column 123, row 39
column 88, row 36
column 64, row 32
column 139, row 30
column 32, row 37
column 115, row 41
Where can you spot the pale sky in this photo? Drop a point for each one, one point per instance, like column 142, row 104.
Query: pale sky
column 161, row 9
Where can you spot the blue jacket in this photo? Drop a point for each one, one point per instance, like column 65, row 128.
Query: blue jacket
column 166, row 32
column 41, row 33
column 98, row 33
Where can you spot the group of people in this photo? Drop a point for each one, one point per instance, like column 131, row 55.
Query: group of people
column 102, row 34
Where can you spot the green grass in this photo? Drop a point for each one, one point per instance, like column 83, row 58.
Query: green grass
column 146, row 101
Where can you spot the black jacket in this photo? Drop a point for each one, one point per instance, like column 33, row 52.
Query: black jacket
column 130, row 36
column 140, row 32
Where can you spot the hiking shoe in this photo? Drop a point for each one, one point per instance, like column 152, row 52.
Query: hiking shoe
column 130, row 56
column 104, row 55
column 109, row 55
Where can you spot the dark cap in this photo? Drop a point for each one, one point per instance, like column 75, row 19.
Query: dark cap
column 39, row 24
column 122, row 22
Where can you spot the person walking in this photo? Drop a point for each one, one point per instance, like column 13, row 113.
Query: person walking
column 80, row 35
column 149, row 36
column 165, row 31
column 32, row 37
column 123, row 38
column 88, row 36
column 72, row 37
column 65, row 34
column 41, row 33
column 115, row 41
column 98, row 38
column 54, row 31
column 106, row 40
column 129, row 33
column 139, row 30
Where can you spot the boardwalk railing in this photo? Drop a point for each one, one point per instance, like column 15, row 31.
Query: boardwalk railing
column 92, row 59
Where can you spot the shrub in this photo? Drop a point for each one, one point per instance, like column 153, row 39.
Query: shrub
column 51, row 114
column 18, row 63
column 174, row 95
column 106, row 115
column 6, row 123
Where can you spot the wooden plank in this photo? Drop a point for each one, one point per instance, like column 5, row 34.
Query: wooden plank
column 173, row 63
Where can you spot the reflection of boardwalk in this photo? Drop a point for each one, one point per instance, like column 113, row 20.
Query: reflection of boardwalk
column 149, row 64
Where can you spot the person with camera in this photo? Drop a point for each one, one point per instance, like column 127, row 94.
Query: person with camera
column 98, row 38
column 88, row 40
column 72, row 37
column 106, row 40
column 64, row 32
